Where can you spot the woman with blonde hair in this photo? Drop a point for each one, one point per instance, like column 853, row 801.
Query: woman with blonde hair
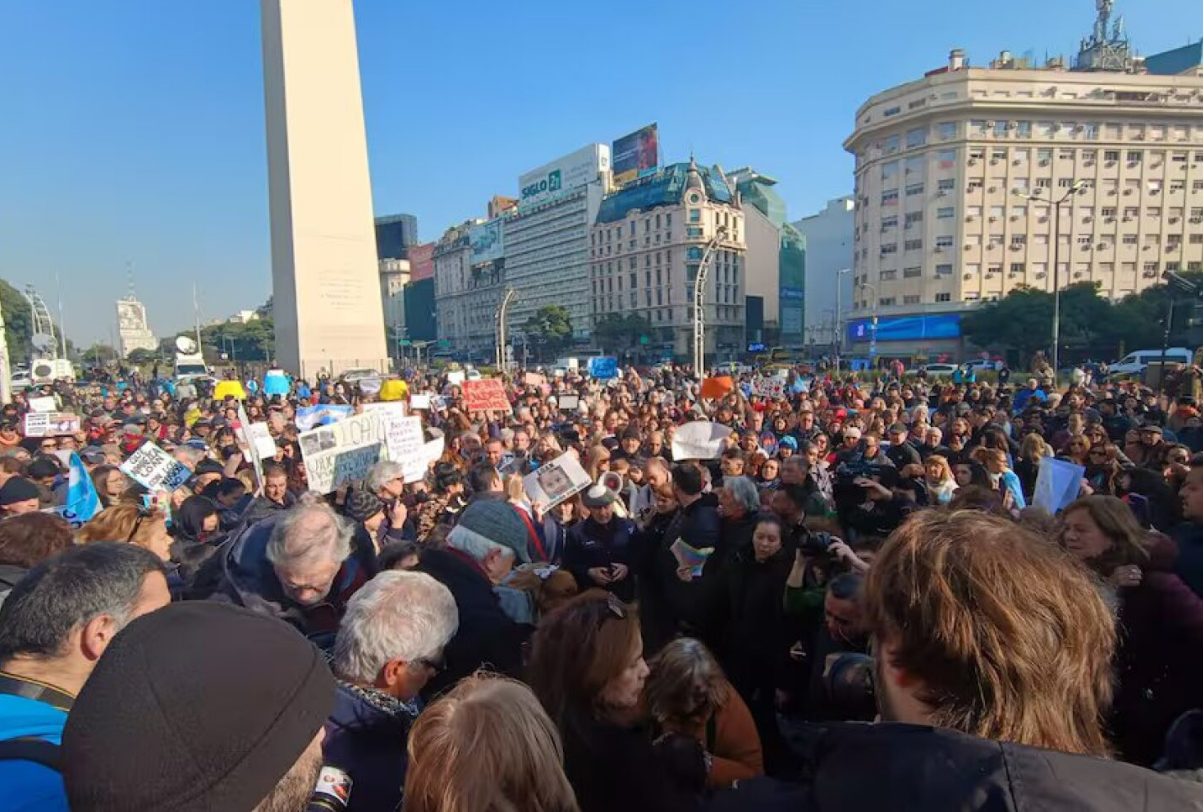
column 687, row 693
column 1031, row 451
column 941, row 484
column 135, row 524
column 1002, row 478
column 486, row 746
column 1160, row 624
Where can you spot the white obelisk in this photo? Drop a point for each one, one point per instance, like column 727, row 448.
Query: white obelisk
column 327, row 306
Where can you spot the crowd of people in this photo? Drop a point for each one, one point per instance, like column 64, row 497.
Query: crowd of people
column 863, row 596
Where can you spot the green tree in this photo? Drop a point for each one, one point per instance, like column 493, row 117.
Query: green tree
column 142, row 357
column 97, row 355
column 1021, row 321
column 617, row 333
column 549, row 329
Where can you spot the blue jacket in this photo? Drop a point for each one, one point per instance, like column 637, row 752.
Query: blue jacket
column 29, row 786
column 366, row 740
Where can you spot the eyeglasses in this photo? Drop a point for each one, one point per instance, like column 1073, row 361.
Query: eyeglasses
column 437, row 664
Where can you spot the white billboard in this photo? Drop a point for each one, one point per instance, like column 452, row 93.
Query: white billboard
column 553, row 179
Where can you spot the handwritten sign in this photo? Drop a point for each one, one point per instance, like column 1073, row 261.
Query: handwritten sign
column 772, row 388
column 569, row 403
column 46, row 403
column 456, row 377
column 487, row 394
column 553, row 482
column 405, row 443
column 155, row 469
column 344, row 451
column 699, row 440
column 534, row 379
column 419, row 403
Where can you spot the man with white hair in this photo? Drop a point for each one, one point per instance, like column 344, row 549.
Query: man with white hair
column 298, row 566
column 387, row 481
column 482, row 549
column 389, row 645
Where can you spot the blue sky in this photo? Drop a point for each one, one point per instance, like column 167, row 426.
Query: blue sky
column 132, row 130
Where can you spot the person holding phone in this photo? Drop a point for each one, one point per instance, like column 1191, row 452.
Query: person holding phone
column 599, row 549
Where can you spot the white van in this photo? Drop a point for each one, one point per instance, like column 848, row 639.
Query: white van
column 1135, row 363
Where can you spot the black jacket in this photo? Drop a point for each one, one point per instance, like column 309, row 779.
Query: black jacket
column 903, row 455
column 921, row 769
column 365, row 738
column 615, row 769
column 486, row 636
column 591, row 546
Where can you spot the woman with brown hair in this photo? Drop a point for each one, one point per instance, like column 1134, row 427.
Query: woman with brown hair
column 1160, row 656
column 941, row 484
column 687, row 693
column 486, row 745
column 135, row 524
column 587, row 670
column 1103, row 468
column 1077, row 449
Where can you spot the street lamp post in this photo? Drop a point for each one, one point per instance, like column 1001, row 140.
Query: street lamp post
column 839, row 316
column 502, row 313
column 1077, row 188
column 699, row 304
column 872, row 325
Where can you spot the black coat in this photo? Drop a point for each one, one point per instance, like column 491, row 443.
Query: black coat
column 591, row 546
column 755, row 642
column 909, row 768
column 615, row 769
column 486, row 636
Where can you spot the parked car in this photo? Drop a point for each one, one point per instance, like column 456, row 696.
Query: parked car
column 983, row 365
column 357, row 375
column 938, row 370
column 20, row 381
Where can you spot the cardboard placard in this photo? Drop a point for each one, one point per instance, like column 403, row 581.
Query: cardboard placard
column 155, row 469
column 51, row 424
column 534, row 379
column 699, row 440
column 406, row 444
column 487, row 394
column 45, row 403
column 259, row 437
column 344, row 451
column 555, row 481
column 419, row 402
column 772, row 388
column 394, row 408
column 456, row 377
column 568, row 403
column 1058, row 483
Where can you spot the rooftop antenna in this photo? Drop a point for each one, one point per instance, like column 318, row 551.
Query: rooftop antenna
column 129, row 275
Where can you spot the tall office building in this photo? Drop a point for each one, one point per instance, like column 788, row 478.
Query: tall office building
column 957, row 173
column 547, row 236
column 467, row 294
column 395, row 235
column 645, row 250
column 828, row 236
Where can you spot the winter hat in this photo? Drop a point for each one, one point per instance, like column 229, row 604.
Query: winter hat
column 599, row 496
column 494, row 521
column 198, row 706
column 18, row 489
column 208, row 466
column 362, row 505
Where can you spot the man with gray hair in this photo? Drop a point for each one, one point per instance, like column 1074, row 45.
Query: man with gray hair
column 387, row 481
column 55, row 625
column 300, row 566
column 389, row 645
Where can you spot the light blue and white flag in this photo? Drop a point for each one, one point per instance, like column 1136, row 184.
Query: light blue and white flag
column 311, row 416
column 82, row 502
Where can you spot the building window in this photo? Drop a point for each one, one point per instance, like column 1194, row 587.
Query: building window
column 889, row 170
column 913, row 245
column 891, row 145
column 943, row 297
column 913, row 217
column 910, row 299
column 944, row 270
column 693, row 231
column 886, row 301
column 1017, row 267
column 916, row 137
column 944, row 242
column 946, row 185
column 890, row 248
column 668, row 221
column 946, row 212
column 888, row 276
column 695, row 215
column 914, row 189
column 889, row 198
column 946, row 130
column 912, row 272
column 1023, row 129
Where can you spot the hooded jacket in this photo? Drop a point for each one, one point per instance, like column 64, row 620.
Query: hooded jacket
column 365, row 738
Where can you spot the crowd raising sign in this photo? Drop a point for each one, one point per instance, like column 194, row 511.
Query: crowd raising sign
column 50, row 424
column 553, row 482
column 155, row 469
column 344, row 451
column 486, row 395
column 699, row 440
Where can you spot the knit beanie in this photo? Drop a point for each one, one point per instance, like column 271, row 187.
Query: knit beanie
column 18, row 489
column 496, row 521
column 362, row 505
column 198, row 706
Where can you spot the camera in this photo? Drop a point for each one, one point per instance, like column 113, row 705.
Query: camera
column 816, row 543
column 848, row 471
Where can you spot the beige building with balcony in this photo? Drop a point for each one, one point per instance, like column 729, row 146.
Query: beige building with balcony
column 957, row 173
column 466, row 296
column 646, row 247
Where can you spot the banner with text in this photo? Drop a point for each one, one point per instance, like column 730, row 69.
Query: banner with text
column 344, row 451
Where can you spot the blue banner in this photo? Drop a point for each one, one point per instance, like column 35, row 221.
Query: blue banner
column 603, row 368
column 907, row 328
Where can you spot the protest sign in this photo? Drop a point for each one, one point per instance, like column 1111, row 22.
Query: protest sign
column 487, row 394
column 456, row 377
column 603, row 368
column 259, row 437
column 555, row 481
column 82, row 502
column 405, row 443
column 534, row 379
column 569, row 403
column 699, row 440
column 229, row 389
column 344, row 451
column 1057, row 484
column 45, row 403
column 309, row 417
column 715, row 388
column 419, row 402
column 276, row 382
column 155, row 469
column 370, row 386
column 394, row 408
column 51, row 424
column 771, row 388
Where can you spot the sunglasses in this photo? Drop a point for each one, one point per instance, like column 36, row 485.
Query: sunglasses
column 436, row 664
